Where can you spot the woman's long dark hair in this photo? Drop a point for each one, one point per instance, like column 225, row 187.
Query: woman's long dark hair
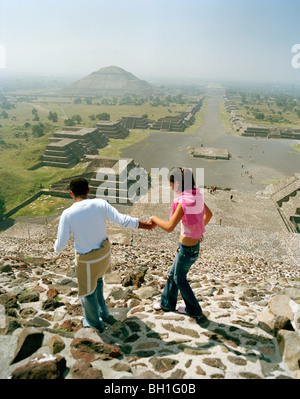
column 184, row 176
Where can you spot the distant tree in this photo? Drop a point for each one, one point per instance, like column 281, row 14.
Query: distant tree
column 73, row 120
column 38, row 130
column 77, row 101
column 69, row 122
column 259, row 115
column 2, row 206
column 92, row 117
column 77, row 118
column 103, row 117
column 4, row 114
column 34, row 111
column 7, row 105
column 53, row 116
column 244, row 98
column 179, row 99
column 88, row 100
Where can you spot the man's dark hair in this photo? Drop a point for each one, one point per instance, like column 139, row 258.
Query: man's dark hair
column 79, row 186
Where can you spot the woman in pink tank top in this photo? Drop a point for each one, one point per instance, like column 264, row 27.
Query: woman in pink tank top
column 189, row 209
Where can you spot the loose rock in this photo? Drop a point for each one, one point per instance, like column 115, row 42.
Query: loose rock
column 41, row 367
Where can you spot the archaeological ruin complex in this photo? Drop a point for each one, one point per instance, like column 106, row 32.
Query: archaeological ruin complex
column 71, row 145
column 250, row 130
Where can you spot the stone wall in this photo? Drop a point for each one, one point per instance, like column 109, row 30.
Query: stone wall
column 271, row 132
column 24, row 203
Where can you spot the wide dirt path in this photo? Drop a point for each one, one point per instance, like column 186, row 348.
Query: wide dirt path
column 265, row 160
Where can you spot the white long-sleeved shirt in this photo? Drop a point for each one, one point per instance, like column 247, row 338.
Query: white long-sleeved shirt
column 86, row 221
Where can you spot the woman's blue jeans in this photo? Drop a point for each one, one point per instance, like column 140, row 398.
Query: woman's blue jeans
column 185, row 257
column 94, row 308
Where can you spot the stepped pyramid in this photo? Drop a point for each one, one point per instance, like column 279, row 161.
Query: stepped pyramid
column 71, row 145
column 110, row 81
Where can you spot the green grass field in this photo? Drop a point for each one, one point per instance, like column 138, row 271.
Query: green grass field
column 44, row 206
column 296, row 147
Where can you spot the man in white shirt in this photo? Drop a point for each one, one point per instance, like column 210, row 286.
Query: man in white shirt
column 85, row 220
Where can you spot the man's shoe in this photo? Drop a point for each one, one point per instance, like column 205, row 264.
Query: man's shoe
column 109, row 320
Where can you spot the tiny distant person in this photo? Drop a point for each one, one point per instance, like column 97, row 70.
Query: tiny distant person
column 190, row 209
column 85, row 221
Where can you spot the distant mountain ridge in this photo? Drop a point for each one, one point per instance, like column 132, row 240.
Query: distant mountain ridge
column 109, row 81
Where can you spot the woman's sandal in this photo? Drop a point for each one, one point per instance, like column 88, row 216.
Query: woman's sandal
column 158, row 306
column 182, row 310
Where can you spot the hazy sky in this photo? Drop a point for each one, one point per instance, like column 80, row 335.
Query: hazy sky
column 248, row 40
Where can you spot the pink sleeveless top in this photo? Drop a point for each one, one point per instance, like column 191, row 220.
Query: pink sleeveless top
column 192, row 223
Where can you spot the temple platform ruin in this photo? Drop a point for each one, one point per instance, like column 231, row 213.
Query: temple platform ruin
column 113, row 129
column 135, row 122
column 109, row 179
column 70, row 146
column 209, row 153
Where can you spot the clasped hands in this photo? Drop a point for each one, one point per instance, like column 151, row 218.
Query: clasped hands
column 150, row 225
